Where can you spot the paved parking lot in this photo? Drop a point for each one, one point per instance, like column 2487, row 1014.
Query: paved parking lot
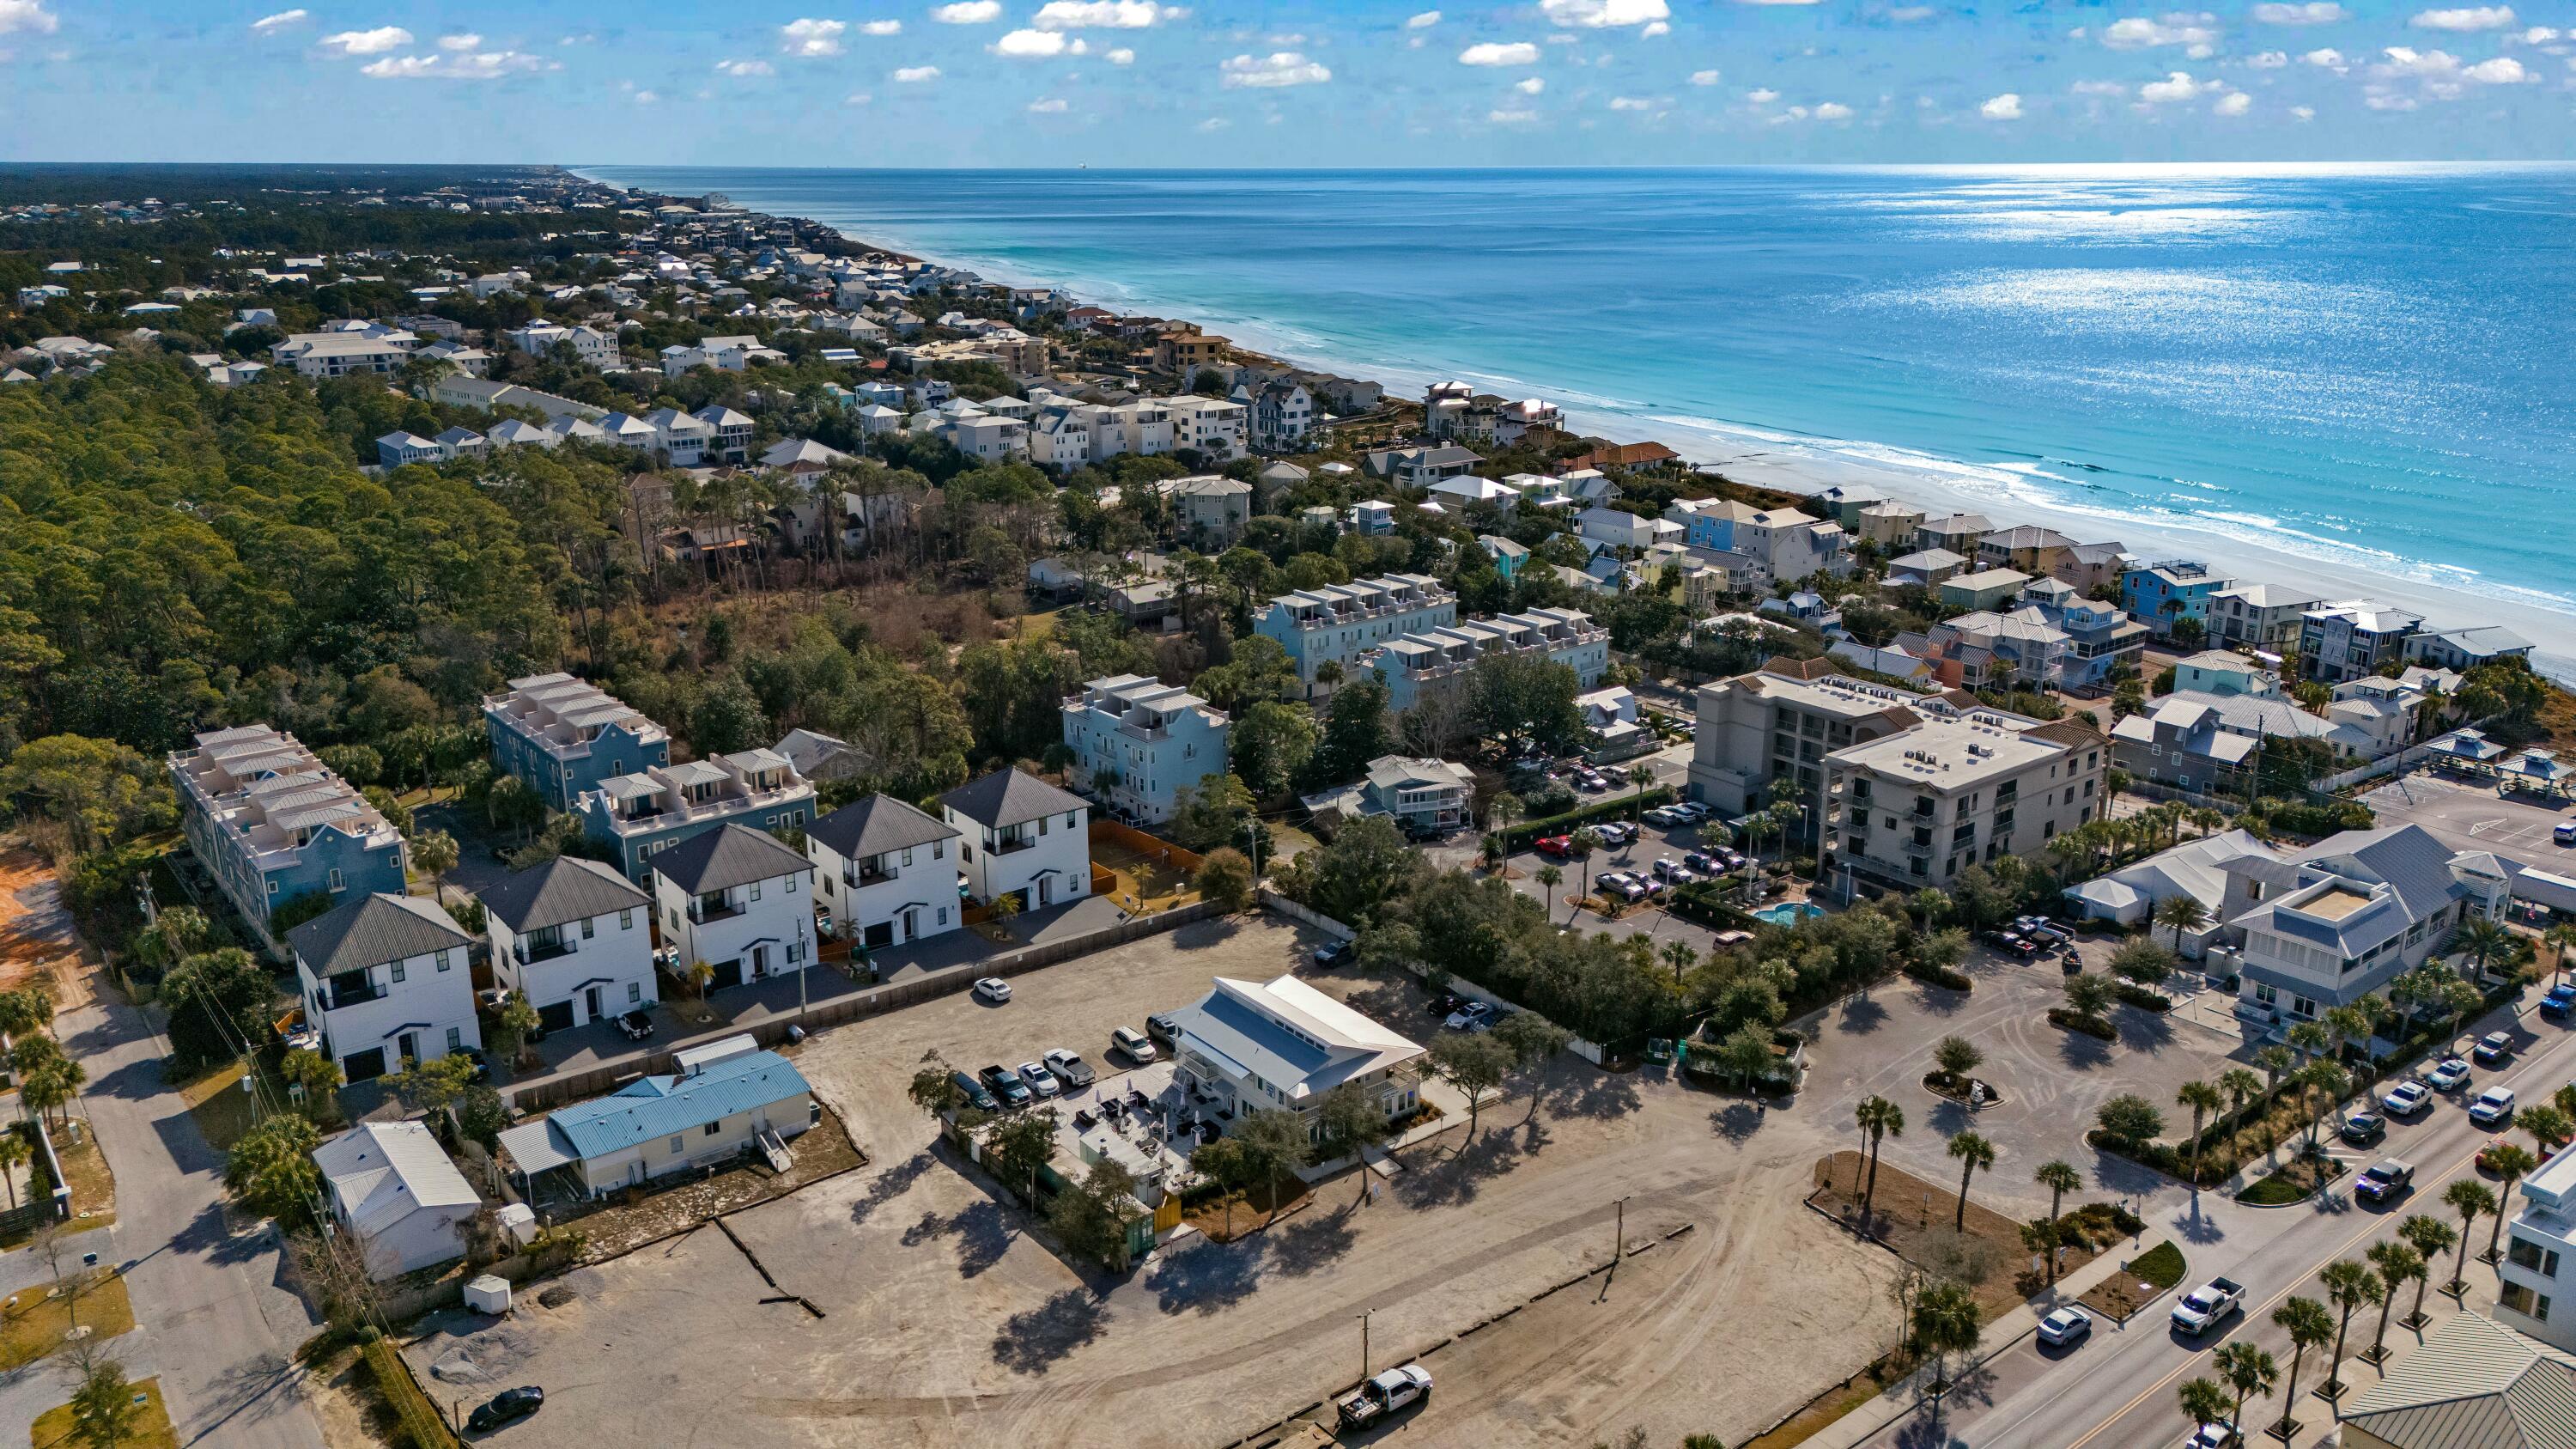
column 946, row 1324
column 2469, row 815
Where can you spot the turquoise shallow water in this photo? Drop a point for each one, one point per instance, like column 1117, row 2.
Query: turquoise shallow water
column 2373, row 367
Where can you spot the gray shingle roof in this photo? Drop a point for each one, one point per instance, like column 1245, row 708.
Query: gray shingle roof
column 2408, row 857
column 562, row 890
column 723, row 858
column 372, row 930
column 1007, row 797
column 878, row 824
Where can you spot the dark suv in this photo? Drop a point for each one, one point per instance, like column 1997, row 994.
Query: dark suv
column 1006, row 1085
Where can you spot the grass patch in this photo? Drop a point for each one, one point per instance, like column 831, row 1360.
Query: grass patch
column 2139, row 1282
column 36, row 1326
column 416, row 1419
column 86, row 1173
column 53, row 1428
column 224, row 1111
column 1919, row 1221
column 2294, row 1181
column 1822, row 1411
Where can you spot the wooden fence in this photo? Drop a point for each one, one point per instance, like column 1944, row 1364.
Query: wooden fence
column 1151, row 847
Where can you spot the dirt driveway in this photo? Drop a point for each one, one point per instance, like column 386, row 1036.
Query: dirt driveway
column 946, row 1325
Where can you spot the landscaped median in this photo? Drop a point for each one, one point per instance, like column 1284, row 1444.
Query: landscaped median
column 2140, row 1281
column 2294, row 1181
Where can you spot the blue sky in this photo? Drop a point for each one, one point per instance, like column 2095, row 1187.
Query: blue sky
column 1327, row 83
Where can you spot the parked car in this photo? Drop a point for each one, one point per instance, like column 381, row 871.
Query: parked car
column 2017, row 946
column 993, row 989
column 2217, row 1434
column 1040, row 1081
column 1001, row 1083
column 2361, row 1127
column 1673, row 872
column 2494, row 1049
column 1163, row 1030
column 1704, row 863
column 637, row 1025
column 1071, row 1070
column 2407, row 1098
column 2383, row 1180
column 2448, row 1075
column 2565, row 834
column 2065, row 1326
column 1591, row 780
column 1626, row 887
column 1615, row 832
column 1371, row 1402
column 1473, row 1016
column 974, row 1093
column 1333, row 952
column 1664, row 815
column 1691, row 811
column 2208, row 1305
column 1559, row 846
column 2494, row 1105
column 1134, row 1045
column 506, row 1407
column 2560, row 1001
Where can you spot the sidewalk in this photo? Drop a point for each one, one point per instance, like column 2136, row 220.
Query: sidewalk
column 1902, row 1400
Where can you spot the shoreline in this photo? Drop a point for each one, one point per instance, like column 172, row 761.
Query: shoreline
column 2006, row 494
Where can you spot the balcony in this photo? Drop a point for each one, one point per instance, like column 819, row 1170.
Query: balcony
column 1923, row 848
column 704, row 914
column 866, row 875
column 354, row 989
column 1008, row 847
column 530, row 953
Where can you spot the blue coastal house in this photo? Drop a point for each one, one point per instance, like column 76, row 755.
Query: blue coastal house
column 2159, row 594
column 1418, row 662
column 1138, row 742
column 639, row 816
column 2099, row 637
column 564, row 737
column 271, row 824
column 1337, row 623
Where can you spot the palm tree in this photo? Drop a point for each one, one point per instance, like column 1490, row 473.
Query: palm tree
column 2248, row 1371
column 2060, row 1178
column 1929, row 905
column 2396, row 1263
column 2327, row 1082
column 2548, row 1124
column 1879, row 1119
column 2347, row 1025
column 1679, row 956
column 1549, row 878
column 2309, row 1325
column 2351, row 1287
column 2482, row 940
column 2430, row 1237
column 1974, row 1152
column 1583, row 844
column 2205, row 1400
column 2241, row 1087
column 2311, row 1039
column 13, row 1152
column 1642, row 780
column 1946, row 1319
column 2182, row 913
column 2468, row 1197
column 2274, row 1060
column 2509, row 1162
column 2202, row 1099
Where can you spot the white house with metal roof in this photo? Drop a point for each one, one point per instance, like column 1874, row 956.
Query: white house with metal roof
column 392, row 1188
column 1023, row 837
column 384, row 979
column 886, row 871
column 573, row 936
column 740, row 901
column 742, row 1100
column 1281, row 1045
column 2350, row 914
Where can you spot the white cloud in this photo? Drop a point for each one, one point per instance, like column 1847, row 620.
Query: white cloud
column 2539, row 35
column 2137, row 32
column 456, row 65
column 1705, row 77
column 2177, row 86
column 857, row 98
column 745, row 69
column 2316, row 12
column 2442, row 72
column 968, row 12
column 1051, row 106
column 347, row 42
column 1103, row 14
column 2269, row 60
column 1511, row 118
column 1423, row 21
column 31, row 17
column 1215, row 123
column 2504, row 70
column 1269, row 72
column 646, row 98
column 2234, row 103
column 1762, row 96
column 1494, row 52
column 812, row 38
column 1907, row 14
column 267, row 23
column 1030, row 44
column 1530, row 86
column 881, row 27
column 463, row 40
column 2304, row 113
column 2476, row 17
column 1833, row 111
column 2326, row 58
column 1631, row 103
column 1779, row 2
column 2099, row 88
column 1653, row 29
column 1604, row 14
column 1121, row 56
column 2005, row 107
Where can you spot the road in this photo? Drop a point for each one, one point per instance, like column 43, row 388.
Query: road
column 2118, row 1391
column 212, row 1321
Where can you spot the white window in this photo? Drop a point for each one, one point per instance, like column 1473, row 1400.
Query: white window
column 680, row 1144
column 443, row 962
column 626, row 919
column 755, row 890
column 455, row 1037
column 943, row 915
column 589, row 927
column 634, row 991
column 398, row 973
column 336, row 881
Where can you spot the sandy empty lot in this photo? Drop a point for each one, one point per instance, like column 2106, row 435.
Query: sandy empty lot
column 946, row 1325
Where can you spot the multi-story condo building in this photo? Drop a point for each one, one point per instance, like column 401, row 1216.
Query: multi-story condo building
column 1281, row 414
column 886, row 871
column 2161, row 595
column 1436, row 658
column 1780, row 721
column 1337, row 623
column 1917, row 807
column 342, row 352
column 2350, row 914
column 2350, row 639
column 640, row 815
column 1973, row 651
column 384, row 978
column 563, row 736
column 2258, row 616
column 737, row 900
column 1213, row 426
column 270, row 824
column 2538, row 1273
column 1023, row 838
column 575, row 938
column 1138, row 742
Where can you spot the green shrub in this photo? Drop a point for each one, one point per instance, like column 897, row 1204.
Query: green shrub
column 2092, row 1026
column 2161, row 1265
column 1941, row 976
column 1622, row 808
column 416, row 1419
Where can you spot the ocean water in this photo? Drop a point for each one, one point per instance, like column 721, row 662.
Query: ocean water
column 2373, row 367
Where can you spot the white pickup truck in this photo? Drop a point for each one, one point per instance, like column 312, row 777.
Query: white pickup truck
column 1383, row 1395
column 2208, row 1305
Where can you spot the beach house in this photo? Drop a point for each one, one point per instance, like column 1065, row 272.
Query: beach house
column 2161, row 595
column 2350, row 914
column 1138, row 742
column 574, row 937
column 384, row 979
column 737, row 901
column 562, row 736
column 886, row 871
column 2258, row 616
column 2348, row 640
column 393, row 1190
column 1024, row 838
column 642, row 814
column 728, row 1098
column 1250, row 1047
column 273, row 826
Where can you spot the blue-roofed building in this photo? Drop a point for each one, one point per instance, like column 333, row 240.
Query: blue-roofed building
column 2162, row 594
column 270, row 823
column 1279, row 1046
column 724, row 1101
column 564, row 736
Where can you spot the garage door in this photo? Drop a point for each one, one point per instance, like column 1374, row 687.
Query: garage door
column 728, row 973
column 363, row 1066
column 880, row 934
column 556, row 1016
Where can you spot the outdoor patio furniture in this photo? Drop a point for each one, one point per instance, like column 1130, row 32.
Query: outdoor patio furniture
column 1083, row 1121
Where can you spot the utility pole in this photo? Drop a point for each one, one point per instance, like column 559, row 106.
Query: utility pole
column 1363, row 1317
column 1618, row 1245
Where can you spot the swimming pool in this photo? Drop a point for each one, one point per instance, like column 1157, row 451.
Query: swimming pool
column 1788, row 913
